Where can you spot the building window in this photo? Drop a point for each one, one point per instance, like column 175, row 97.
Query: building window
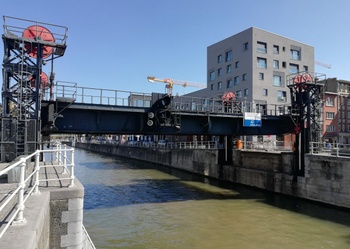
column 264, row 92
column 212, row 75
column 244, row 77
column 294, row 54
column 229, row 68
column 293, row 68
column 246, row 92
column 330, row 128
column 261, row 47
column 277, row 80
column 239, row 94
column 282, row 96
column 261, row 62
column 261, row 76
column 219, row 58
column 237, row 64
column 276, row 64
column 276, row 49
column 219, row 85
column 245, row 46
column 306, row 68
column 219, row 72
column 229, row 55
column 329, row 101
column 212, row 87
column 329, row 115
column 284, row 64
column 229, row 83
column 236, row 80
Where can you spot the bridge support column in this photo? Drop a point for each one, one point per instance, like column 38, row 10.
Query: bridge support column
column 224, row 152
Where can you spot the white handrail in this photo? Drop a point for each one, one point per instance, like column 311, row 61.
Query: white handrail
column 22, row 193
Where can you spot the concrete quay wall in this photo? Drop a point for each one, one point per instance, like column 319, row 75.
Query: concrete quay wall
column 327, row 178
column 53, row 218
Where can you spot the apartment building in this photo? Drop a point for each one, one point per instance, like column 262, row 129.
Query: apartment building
column 344, row 111
column 336, row 111
column 254, row 64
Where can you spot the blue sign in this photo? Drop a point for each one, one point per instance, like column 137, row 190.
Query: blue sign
column 252, row 123
column 252, row 119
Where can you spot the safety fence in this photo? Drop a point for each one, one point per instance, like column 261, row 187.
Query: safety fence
column 28, row 184
column 329, row 149
column 270, row 145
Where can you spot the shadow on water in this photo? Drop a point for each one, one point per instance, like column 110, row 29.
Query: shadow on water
column 141, row 191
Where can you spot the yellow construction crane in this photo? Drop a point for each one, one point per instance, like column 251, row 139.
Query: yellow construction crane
column 170, row 82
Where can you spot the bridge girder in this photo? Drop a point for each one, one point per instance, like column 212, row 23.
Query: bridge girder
column 97, row 119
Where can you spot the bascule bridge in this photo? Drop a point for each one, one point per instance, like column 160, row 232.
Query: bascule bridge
column 31, row 47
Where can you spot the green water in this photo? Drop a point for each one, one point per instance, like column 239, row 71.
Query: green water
column 130, row 204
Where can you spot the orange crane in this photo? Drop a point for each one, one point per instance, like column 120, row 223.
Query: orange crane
column 170, row 82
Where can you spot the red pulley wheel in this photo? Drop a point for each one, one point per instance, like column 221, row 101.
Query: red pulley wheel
column 38, row 33
column 44, row 81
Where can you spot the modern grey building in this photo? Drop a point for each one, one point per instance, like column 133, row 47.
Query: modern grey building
column 253, row 64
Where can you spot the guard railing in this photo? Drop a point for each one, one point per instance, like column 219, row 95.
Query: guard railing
column 29, row 184
column 269, row 145
column 330, row 149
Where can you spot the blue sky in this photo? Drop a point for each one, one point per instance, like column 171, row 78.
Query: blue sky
column 116, row 44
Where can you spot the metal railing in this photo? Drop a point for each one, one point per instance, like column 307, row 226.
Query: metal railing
column 14, row 26
column 87, row 242
column 215, row 105
column 28, row 185
column 162, row 144
column 328, row 149
column 268, row 145
column 87, row 95
column 246, row 145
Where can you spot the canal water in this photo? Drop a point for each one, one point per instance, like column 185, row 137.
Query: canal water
column 131, row 204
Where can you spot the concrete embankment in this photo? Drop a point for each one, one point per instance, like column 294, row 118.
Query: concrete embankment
column 53, row 217
column 327, row 178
